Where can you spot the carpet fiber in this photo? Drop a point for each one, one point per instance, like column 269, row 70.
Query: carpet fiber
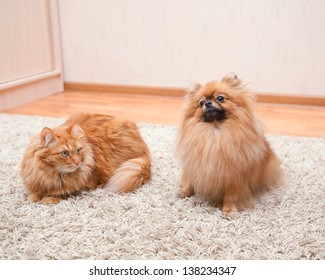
column 152, row 222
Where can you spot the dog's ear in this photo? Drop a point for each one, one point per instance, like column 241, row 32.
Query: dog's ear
column 193, row 88
column 232, row 80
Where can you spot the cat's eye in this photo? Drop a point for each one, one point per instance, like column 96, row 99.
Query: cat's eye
column 79, row 150
column 64, row 153
column 202, row 103
column 220, row 98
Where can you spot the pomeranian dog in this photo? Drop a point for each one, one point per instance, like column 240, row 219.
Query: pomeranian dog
column 224, row 155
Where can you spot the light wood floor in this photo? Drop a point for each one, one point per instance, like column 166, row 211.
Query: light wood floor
column 278, row 119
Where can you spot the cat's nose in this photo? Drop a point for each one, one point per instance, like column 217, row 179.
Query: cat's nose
column 76, row 160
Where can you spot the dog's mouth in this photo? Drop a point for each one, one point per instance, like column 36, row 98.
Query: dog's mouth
column 214, row 114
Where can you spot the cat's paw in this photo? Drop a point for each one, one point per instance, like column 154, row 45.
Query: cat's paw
column 51, row 200
column 34, row 198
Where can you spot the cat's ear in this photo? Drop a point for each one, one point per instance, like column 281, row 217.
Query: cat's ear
column 47, row 136
column 77, row 131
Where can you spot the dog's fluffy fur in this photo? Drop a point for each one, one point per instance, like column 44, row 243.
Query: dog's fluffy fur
column 224, row 155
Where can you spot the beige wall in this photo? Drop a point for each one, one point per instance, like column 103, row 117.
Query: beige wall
column 278, row 46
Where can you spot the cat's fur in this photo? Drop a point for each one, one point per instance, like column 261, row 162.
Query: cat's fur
column 88, row 151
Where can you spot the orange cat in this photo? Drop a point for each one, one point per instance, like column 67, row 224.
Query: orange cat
column 88, row 151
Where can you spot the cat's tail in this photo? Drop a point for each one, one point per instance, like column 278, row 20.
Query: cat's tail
column 130, row 175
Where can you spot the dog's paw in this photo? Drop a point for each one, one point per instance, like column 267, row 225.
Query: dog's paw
column 229, row 212
column 185, row 191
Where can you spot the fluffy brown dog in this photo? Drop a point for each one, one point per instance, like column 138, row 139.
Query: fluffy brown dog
column 224, row 155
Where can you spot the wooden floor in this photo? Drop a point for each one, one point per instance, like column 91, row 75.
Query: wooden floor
column 278, row 119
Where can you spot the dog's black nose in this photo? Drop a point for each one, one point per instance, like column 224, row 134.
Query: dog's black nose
column 208, row 104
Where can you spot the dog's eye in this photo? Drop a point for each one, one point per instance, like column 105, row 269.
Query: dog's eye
column 220, row 98
column 202, row 103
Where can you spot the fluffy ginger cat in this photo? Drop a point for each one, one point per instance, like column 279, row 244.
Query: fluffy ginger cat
column 88, row 151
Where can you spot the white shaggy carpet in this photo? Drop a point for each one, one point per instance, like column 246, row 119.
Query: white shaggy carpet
column 152, row 222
